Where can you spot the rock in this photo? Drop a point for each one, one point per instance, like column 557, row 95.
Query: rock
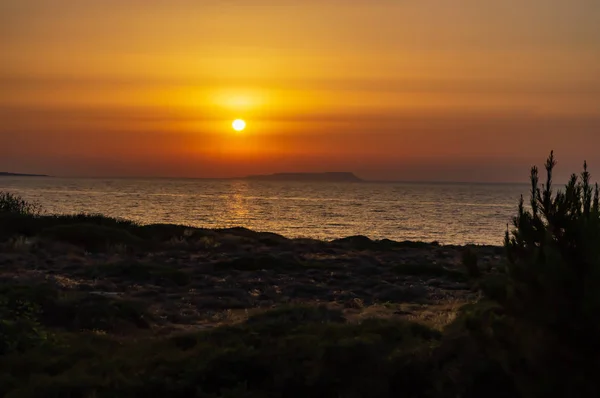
column 354, row 303
column 401, row 294
column 106, row 294
column 455, row 286
column 307, row 291
column 401, row 312
column 358, row 242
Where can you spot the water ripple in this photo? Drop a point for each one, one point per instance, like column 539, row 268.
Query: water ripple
column 448, row 213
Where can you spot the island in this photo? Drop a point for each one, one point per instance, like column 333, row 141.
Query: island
column 320, row 177
column 6, row 174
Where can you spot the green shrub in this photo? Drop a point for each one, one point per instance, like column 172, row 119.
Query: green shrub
column 377, row 358
column 31, row 224
column 17, row 216
column 14, row 224
column 92, row 237
column 81, row 311
column 469, row 261
column 19, row 327
column 468, row 361
column 494, row 286
column 13, row 204
column 552, row 299
column 89, row 218
column 71, row 310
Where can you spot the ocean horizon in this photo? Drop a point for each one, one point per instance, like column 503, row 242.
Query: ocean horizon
column 447, row 212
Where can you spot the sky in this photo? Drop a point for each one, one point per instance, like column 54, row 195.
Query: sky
column 443, row 90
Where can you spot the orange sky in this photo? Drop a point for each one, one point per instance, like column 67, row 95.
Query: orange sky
column 390, row 89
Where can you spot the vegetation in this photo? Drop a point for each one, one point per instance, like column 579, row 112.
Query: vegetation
column 470, row 262
column 15, row 205
column 539, row 325
column 552, row 298
column 91, row 237
column 19, row 327
column 533, row 332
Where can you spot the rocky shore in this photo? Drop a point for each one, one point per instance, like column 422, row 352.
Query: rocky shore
column 203, row 278
column 92, row 306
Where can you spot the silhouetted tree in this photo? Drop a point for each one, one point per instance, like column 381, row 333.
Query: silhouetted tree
column 553, row 293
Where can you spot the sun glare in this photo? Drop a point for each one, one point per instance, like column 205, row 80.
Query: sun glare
column 239, row 125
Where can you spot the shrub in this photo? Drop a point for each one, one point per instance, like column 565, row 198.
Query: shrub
column 552, row 299
column 468, row 360
column 494, row 286
column 13, row 204
column 92, row 237
column 469, row 261
column 32, row 224
column 88, row 218
column 377, row 358
column 19, row 327
column 81, row 311
column 70, row 310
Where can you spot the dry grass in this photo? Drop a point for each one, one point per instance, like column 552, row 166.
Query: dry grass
column 436, row 316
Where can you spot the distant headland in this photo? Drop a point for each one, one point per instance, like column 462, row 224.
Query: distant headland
column 6, row 174
column 324, row 177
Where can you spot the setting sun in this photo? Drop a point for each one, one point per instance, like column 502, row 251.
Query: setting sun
column 239, row 125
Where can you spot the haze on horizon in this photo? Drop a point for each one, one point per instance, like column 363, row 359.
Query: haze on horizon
column 461, row 90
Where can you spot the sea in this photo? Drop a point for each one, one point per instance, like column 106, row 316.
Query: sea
column 448, row 213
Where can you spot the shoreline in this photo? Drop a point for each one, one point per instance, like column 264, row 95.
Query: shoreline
column 363, row 238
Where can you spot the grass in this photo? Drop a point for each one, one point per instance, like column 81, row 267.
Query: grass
column 298, row 315
column 292, row 351
column 270, row 358
column 91, row 237
column 74, row 310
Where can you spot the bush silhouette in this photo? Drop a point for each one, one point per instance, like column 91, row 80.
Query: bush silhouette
column 469, row 261
column 19, row 327
column 552, row 299
column 13, row 204
column 92, row 237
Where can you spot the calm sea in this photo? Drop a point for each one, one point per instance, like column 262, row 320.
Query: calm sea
column 448, row 213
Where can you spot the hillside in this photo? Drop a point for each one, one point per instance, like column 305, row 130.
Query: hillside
column 324, row 177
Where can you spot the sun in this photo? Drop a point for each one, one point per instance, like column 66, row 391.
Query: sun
column 238, row 125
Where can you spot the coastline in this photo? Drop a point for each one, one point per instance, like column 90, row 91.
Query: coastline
column 6, row 174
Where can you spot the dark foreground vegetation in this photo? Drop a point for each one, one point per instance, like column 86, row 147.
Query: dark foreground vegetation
column 98, row 307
